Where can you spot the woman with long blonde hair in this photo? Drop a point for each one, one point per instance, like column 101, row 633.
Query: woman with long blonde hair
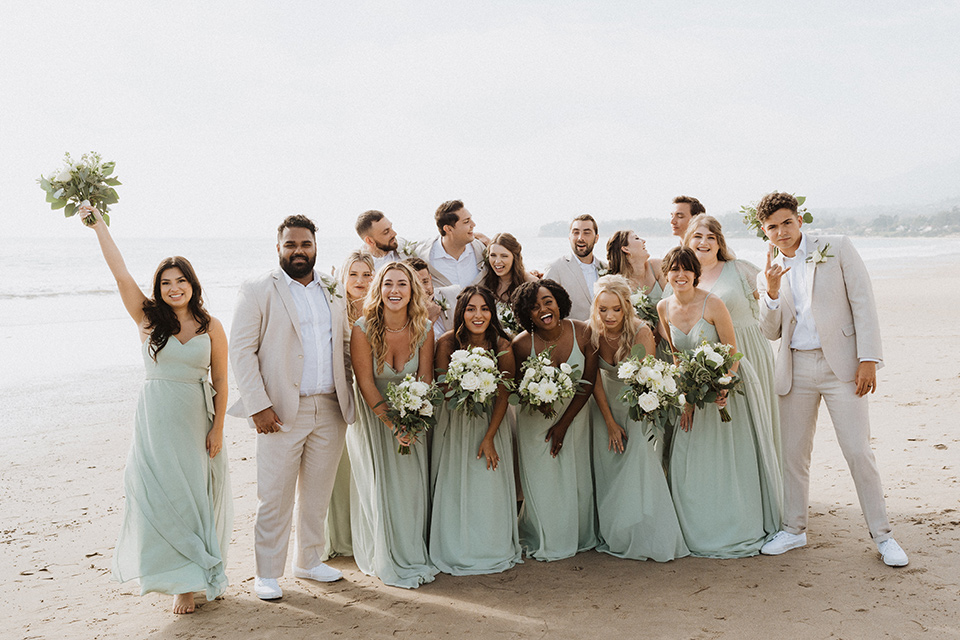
column 635, row 511
column 392, row 339
column 356, row 276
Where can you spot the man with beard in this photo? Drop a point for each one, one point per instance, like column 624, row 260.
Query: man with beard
column 287, row 347
column 380, row 239
column 578, row 271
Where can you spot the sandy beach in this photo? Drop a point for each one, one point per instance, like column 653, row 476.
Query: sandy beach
column 61, row 490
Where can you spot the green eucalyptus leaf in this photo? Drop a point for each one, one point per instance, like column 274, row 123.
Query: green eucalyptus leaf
column 108, row 168
column 113, row 182
column 106, row 218
column 70, row 209
column 58, row 204
column 638, row 351
column 801, row 200
column 807, row 217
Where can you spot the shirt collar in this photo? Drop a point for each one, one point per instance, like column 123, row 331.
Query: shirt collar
column 801, row 253
column 314, row 282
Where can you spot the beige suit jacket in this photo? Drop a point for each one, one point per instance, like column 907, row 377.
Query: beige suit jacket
column 566, row 271
column 439, row 280
column 844, row 312
column 266, row 350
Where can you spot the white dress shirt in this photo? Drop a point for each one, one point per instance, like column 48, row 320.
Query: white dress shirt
column 459, row 271
column 316, row 330
column 393, row 256
column 590, row 274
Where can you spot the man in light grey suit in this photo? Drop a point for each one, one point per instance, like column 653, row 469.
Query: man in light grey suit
column 578, row 271
column 289, row 356
column 455, row 256
column 818, row 301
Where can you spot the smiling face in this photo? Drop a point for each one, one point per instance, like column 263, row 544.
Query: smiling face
column 175, row 289
column 298, row 253
column 636, row 247
column 704, row 243
column 426, row 280
column 395, row 290
column 500, row 259
column 359, row 277
column 611, row 311
column 382, row 235
column 680, row 218
column 681, row 279
column 477, row 315
column 783, row 229
column 583, row 237
column 546, row 311
column 462, row 232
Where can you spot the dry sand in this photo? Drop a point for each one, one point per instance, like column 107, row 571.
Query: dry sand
column 61, row 490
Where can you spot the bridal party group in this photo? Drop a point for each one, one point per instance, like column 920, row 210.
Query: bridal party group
column 316, row 358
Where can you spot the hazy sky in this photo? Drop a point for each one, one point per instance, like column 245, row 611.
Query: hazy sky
column 224, row 117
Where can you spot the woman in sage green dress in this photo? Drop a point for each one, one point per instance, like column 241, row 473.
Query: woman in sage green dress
column 389, row 503
column 178, row 514
column 724, row 477
column 355, row 276
column 735, row 282
column 558, row 517
column 473, row 529
column 637, row 518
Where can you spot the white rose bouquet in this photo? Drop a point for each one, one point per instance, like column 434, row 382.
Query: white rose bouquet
column 651, row 391
column 83, row 183
column 543, row 385
column 645, row 308
column 705, row 373
column 472, row 380
column 507, row 319
column 410, row 407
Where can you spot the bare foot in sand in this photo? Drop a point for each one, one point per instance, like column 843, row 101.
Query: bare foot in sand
column 183, row 603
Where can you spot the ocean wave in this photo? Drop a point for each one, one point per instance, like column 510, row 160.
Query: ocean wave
column 33, row 295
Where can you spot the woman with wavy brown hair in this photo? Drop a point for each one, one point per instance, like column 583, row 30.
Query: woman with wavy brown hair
column 503, row 272
column 178, row 514
column 389, row 518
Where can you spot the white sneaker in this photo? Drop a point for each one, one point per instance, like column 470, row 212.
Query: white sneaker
column 782, row 542
column 320, row 573
column 267, row 589
column 892, row 553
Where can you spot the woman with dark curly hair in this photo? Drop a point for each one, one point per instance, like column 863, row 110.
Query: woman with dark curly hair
column 558, row 518
column 178, row 512
column 472, row 459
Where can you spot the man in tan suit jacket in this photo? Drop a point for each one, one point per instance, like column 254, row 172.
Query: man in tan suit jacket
column 578, row 271
column 818, row 301
column 455, row 257
column 291, row 363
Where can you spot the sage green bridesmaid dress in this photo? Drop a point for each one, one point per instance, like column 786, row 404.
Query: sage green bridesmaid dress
column 389, row 501
column 178, row 514
column 724, row 476
column 558, row 518
column 636, row 513
column 473, row 529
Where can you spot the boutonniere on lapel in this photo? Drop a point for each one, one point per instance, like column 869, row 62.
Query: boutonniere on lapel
column 331, row 286
column 442, row 303
column 820, row 255
column 602, row 271
column 409, row 248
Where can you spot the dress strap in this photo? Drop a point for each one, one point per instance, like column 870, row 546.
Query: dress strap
column 704, row 308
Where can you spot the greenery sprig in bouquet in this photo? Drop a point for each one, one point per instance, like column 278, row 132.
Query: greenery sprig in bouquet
column 507, row 320
column 705, row 372
column 651, row 388
column 749, row 212
column 645, row 308
column 410, row 407
column 472, row 380
column 544, row 385
column 87, row 182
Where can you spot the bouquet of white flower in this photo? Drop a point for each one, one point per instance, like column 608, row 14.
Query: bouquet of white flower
column 83, row 183
column 472, row 380
column 543, row 385
column 507, row 319
column 651, row 390
column 705, row 372
column 646, row 310
column 410, row 405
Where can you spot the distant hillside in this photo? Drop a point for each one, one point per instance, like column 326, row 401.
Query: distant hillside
column 939, row 219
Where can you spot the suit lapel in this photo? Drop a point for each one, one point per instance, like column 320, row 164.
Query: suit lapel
column 574, row 265
column 287, row 298
column 810, row 265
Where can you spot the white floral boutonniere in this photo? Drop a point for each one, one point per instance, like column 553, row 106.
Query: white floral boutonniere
column 602, row 271
column 820, row 255
column 408, row 248
column 331, row 286
column 442, row 303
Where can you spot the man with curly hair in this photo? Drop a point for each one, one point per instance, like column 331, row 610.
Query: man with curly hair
column 818, row 301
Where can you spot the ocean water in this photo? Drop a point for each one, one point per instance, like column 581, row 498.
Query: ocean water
column 61, row 317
